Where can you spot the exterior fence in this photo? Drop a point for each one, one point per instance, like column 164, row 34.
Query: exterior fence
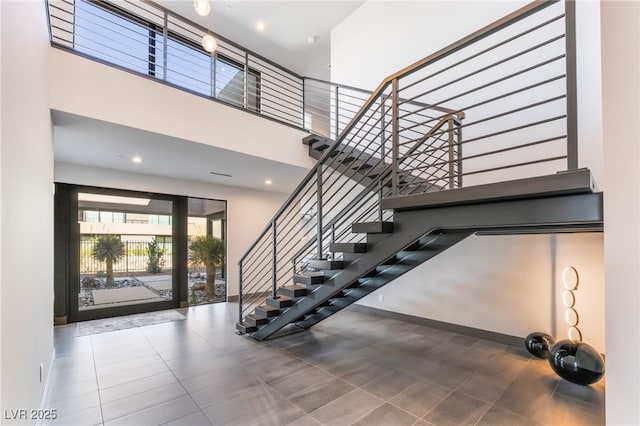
column 135, row 260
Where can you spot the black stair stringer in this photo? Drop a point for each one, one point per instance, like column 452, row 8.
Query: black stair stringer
column 404, row 261
column 418, row 235
column 383, row 255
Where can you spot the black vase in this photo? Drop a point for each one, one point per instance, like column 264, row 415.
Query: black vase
column 538, row 344
column 576, row 362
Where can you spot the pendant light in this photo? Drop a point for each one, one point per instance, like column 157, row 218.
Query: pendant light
column 203, row 8
column 209, row 43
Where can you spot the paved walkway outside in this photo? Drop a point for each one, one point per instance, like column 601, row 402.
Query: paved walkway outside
column 126, row 294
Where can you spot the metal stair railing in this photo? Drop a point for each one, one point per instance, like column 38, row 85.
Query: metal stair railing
column 145, row 38
column 512, row 81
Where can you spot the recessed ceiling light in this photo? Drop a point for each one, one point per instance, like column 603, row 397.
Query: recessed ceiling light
column 136, row 159
column 260, row 26
column 268, row 182
column 311, row 39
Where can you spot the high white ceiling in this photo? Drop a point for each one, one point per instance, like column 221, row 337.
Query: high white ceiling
column 287, row 28
column 284, row 40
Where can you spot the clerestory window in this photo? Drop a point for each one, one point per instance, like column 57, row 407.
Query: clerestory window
column 111, row 34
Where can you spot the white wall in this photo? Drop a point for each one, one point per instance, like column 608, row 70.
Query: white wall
column 248, row 211
column 87, row 88
column 382, row 37
column 621, row 106
column 505, row 284
column 27, row 207
column 467, row 285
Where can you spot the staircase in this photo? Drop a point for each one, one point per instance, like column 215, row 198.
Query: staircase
column 331, row 285
column 400, row 184
column 421, row 229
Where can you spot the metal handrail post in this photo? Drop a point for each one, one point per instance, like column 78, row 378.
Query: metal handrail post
column 383, row 143
column 214, row 76
column 319, row 211
column 383, row 125
column 452, row 171
column 240, row 292
column 274, row 272
column 395, row 137
column 572, row 84
column 304, row 118
column 246, row 80
column 165, row 49
column 459, row 147
column 337, row 113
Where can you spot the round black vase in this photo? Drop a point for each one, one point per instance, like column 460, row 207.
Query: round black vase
column 538, row 344
column 576, row 362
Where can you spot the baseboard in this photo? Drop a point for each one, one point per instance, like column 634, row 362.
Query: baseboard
column 440, row 325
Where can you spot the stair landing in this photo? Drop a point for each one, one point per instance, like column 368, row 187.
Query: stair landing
column 564, row 183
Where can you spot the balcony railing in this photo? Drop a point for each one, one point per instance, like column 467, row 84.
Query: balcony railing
column 149, row 40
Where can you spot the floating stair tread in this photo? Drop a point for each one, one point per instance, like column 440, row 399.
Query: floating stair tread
column 361, row 165
column 346, row 157
column 244, row 327
column 279, row 301
column 310, row 278
column 315, row 138
column 255, row 320
column 372, row 228
column 295, row 290
column 394, row 269
column 348, row 247
column 267, row 311
column 327, row 265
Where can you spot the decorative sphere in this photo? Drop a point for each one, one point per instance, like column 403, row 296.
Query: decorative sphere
column 576, row 362
column 538, row 344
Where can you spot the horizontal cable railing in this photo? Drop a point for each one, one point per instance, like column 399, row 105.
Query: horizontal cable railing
column 508, row 88
column 143, row 37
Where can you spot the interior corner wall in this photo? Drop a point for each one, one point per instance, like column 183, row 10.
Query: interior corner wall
column 248, row 211
column 589, row 82
column 621, row 107
column 26, row 154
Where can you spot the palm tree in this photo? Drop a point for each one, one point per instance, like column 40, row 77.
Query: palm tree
column 109, row 249
column 208, row 251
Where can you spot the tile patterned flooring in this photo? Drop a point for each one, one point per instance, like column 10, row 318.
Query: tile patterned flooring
column 352, row 369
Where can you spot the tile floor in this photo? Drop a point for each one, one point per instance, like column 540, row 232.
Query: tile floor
column 353, row 368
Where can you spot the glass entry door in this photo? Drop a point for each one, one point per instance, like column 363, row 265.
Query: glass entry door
column 206, row 251
column 125, row 253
